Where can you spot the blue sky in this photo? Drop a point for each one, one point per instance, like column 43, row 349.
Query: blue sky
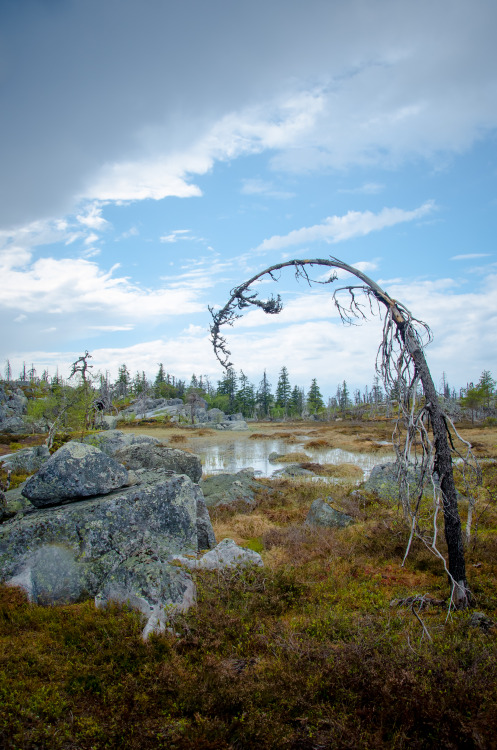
column 156, row 154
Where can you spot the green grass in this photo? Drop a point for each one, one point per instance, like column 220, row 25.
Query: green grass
column 304, row 653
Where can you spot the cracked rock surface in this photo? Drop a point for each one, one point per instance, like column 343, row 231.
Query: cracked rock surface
column 74, row 471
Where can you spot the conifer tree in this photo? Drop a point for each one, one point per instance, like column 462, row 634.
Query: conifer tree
column 227, row 387
column 283, row 390
column 264, row 396
column 297, row 402
column 315, row 401
column 245, row 397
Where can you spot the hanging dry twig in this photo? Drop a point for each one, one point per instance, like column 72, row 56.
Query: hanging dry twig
column 421, row 436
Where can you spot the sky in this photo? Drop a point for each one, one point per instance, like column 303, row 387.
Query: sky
column 155, row 154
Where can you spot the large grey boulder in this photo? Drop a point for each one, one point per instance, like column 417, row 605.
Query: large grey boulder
column 215, row 415
column 111, row 441
column 74, row 471
column 226, row 489
column 113, row 547
column 322, row 514
column 26, row 459
column 227, row 554
column 14, row 426
column 159, row 456
column 384, row 481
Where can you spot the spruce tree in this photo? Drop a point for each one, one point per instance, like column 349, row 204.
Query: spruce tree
column 283, row 390
column 297, row 402
column 264, row 396
column 315, row 401
column 245, row 397
column 227, row 387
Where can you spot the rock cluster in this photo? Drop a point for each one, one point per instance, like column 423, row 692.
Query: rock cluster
column 13, row 405
column 177, row 410
column 100, row 531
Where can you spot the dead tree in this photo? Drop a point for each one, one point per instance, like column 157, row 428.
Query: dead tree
column 401, row 361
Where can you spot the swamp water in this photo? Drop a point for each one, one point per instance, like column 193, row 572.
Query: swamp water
column 230, row 457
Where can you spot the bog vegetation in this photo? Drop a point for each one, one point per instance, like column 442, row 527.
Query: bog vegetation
column 333, row 644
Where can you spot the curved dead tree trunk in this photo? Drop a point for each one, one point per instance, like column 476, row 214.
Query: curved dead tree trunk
column 400, row 356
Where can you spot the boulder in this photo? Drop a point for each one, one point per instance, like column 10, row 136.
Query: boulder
column 111, row 441
column 159, row 456
column 226, row 489
column 322, row 514
column 233, row 426
column 28, row 460
column 109, row 422
column 16, row 502
column 227, row 554
column 14, row 426
column 215, row 415
column 115, row 547
column 384, row 481
column 74, row 471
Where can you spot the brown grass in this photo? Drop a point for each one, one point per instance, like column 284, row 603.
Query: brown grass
column 292, row 458
column 319, row 443
column 178, row 439
column 341, row 471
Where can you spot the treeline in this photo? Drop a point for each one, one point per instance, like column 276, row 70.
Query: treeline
column 234, row 393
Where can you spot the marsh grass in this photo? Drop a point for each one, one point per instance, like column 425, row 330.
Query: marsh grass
column 304, row 653
column 292, row 458
column 178, row 439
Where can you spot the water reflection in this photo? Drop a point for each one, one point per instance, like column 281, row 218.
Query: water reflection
column 240, row 454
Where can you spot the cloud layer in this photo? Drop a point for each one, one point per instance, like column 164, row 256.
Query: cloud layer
column 135, row 104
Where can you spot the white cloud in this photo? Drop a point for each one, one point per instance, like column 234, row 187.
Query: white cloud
column 369, row 188
column 177, row 234
column 20, row 318
column 470, row 256
column 310, row 340
column 340, row 228
column 265, row 188
column 251, row 130
column 93, row 218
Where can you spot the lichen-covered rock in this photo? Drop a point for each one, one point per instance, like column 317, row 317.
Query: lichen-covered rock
column 74, row 471
column 118, row 546
column 111, row 441
column 227, row 554
column 160, row 457
column 321, row 513
column 156, row 589
column 26, row 459
column 226, row 489
column 384, row 481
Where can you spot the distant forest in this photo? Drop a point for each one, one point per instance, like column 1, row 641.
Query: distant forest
column 234, row 393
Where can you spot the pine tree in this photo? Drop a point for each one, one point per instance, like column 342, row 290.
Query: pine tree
column 315, row 401
column 283, row 390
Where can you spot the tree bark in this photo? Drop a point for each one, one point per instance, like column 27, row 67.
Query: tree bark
column 443, row 468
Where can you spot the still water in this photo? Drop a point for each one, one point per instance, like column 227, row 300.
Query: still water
column 239, row 454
